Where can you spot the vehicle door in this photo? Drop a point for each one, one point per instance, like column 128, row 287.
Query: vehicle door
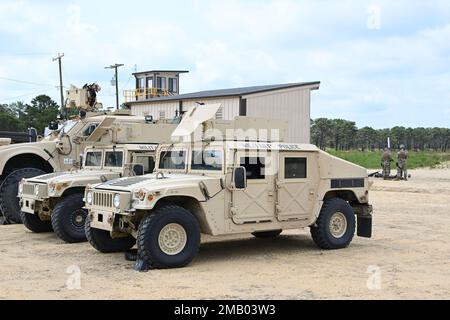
column 257, row 202
column 296, row 191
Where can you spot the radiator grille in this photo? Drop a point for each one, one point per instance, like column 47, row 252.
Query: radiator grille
column 28, row 189
column 101, row 199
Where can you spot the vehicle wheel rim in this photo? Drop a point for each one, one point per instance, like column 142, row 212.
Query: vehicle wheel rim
column 78, row 219
column 338, row 225
column 172, row 239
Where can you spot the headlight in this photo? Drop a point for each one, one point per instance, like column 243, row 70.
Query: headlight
column 89, row 197
column 36, row 190
column 117, row 201
column 21, row 187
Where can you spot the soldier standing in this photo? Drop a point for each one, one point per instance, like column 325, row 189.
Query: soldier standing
column 386, row 160
column 402, row 158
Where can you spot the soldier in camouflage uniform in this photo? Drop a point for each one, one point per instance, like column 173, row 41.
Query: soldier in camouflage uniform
column 386, row 160
column 402, row 158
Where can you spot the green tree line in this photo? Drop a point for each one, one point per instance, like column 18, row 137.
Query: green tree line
column 338, row 134
column 19, row 116
column 344, row 135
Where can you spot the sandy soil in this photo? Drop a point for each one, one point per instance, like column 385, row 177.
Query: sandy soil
column 410, row 249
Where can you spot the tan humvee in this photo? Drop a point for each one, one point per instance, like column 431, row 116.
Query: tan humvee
column 60, row 151
column 228, row 186
column 55, row 201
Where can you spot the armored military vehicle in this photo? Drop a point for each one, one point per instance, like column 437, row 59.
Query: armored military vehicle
column 229, row 185
column 55, row 201
column 61, row 150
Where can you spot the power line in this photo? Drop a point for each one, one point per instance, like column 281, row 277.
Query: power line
column 27, row 82
column 24, row 95
column 24, row 54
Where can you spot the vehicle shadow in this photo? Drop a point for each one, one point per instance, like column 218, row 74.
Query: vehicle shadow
column 253, row 247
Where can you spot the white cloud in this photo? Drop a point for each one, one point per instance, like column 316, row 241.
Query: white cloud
column 364, row 72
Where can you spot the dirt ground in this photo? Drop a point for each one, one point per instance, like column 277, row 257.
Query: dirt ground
column 408, row 258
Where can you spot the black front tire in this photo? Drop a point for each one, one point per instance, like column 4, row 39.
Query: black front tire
column 321, row 231
column 149, row 236
column 69, row 219
column 9, row 202
column 267, row 234
column 33, row 223
column 101, row 240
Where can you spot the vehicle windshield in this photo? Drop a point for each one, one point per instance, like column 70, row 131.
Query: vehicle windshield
column 114, row 159
column 207, row 160
column 93, row 159
column 173, row 160
column 65, row 128
column 68, row 126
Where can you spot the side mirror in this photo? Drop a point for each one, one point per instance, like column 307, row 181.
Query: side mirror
column 53, row 126
column 240, row 178
column 138, row 169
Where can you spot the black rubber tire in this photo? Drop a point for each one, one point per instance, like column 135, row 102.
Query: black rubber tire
column 321, row 233
column 64, row 216
column 101, row 240
column 33, row 223
column 8, row 192
column 148, row 234
column 131, row 255
column 2, row 218
column 267, row 234
column 3, row 222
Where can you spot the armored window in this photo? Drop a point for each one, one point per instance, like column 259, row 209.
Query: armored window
column 114, row 159
column 295, row 168
column 90, row 129
column 68, row 126
column 255, row 167
column 93, row 159
column 147, row 161
column 173, row 160
column 210, row 160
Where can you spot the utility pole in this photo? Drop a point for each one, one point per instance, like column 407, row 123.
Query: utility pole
column 115, row 67
column 61, row 88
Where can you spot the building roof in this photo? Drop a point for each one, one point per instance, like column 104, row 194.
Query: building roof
column 160, row 71
column 230, row 92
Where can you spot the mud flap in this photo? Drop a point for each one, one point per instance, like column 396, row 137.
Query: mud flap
column 365, row 226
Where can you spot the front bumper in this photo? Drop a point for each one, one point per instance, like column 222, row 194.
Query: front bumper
column 30, row 204
column 102, row 220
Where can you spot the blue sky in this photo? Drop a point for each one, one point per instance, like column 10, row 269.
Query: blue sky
column 381, row 63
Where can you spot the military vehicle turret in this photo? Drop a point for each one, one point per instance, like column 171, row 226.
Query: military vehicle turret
column 61, row 150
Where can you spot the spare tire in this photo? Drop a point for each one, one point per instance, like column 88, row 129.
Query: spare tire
column 9, row 202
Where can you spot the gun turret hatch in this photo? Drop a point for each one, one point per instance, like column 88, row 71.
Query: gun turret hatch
column 194, row 118
column 199, row 124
